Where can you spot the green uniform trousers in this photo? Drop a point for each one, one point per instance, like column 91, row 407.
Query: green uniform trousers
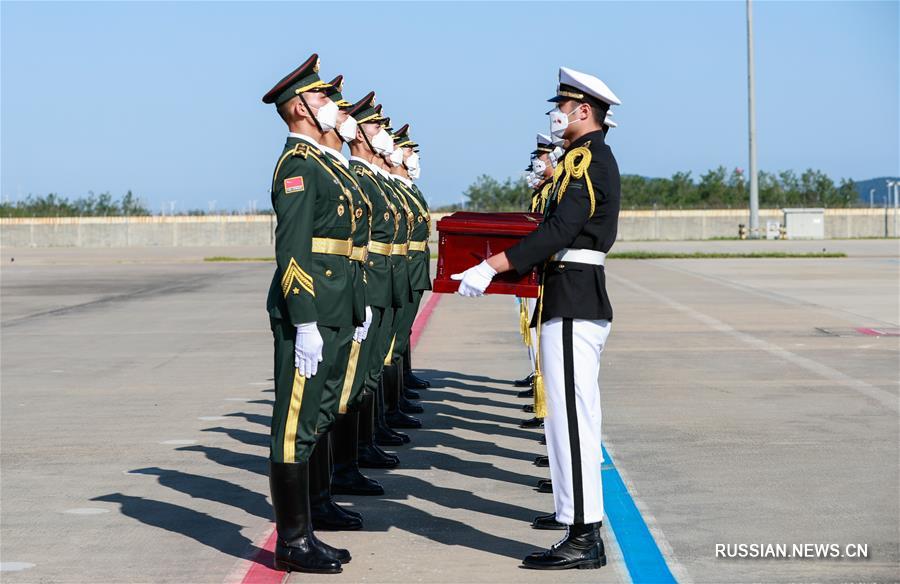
column 299, row 400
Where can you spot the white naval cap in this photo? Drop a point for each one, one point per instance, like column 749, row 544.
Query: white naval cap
column 577, row 85
column 607, row 121
column 544, row 145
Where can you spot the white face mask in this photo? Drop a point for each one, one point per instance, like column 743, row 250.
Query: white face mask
column 327, row 115
column 538, row 166
column 347, row 130
column 396, row 157
column 382, row 142
column 414, row 173
column 412, row 163
column 556, row 155
column 559, row 121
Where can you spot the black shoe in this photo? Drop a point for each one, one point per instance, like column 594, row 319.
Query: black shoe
column 532, row 423
column 547, row 521
column 543, row 440
column 400, row 420
column 528, row 408
column 529, row 393
column 410, row 394
column 582, row 548
column 408, row 407
column 325, row 514
column 410, row 381
column 339, row 554
column 297, row 549
column 524, row 382
column 345, row 476
column 542, row 461
column 545, row 486
column 385, row 438
column 370, row 456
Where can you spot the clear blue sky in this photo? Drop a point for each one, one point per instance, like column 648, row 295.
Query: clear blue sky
column 164, row 98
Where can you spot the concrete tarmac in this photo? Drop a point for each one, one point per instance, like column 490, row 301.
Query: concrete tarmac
column 742, row 404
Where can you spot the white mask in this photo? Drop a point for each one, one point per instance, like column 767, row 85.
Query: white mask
column 347, row 130
column 382, row 142
column 396, row 157
column 327, row 115
column 556, row 155
column 414, row 173
column 538, row 166
column 559, row 121
column 412, row 163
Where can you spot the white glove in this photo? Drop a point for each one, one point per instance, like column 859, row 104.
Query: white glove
column 308, row 349
column 474, row 280
column 361, row 332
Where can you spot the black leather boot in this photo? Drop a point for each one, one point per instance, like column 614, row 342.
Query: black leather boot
column 327, row 515
column 547, row 521
column 368, row 454
column 582, row 548
column 524, row 382
column 296, row 549
column 406, row 406
column 345, row 476
column 532, row 423
column 528, row 408
column 384, row 434
column 410, row 394
column 542, row 461
column 544, row 486
column 526, row 393
column 410, row 379
column 543, row 440
column 392, row 414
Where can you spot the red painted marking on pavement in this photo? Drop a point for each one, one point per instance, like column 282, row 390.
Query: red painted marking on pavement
column 260, row 570
column 885, row 332
column 422, row 319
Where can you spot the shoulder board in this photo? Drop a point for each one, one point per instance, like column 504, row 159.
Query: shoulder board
column 359, row 169
column 301, row 149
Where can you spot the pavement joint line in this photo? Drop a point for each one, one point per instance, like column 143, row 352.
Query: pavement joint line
column 784, row 299
column 885, row 398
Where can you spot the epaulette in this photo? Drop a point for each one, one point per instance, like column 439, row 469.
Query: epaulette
column 301, row 149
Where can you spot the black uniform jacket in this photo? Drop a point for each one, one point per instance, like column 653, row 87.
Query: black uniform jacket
column 582, row 213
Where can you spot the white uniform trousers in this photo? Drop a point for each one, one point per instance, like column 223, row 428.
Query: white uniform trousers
column 530, row 304
column 570, row 363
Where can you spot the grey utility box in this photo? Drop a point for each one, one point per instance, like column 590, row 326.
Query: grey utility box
column 804, row 223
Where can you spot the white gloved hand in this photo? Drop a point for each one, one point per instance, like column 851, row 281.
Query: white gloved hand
column 361, row 332
column 308, row 346
column 475, row 280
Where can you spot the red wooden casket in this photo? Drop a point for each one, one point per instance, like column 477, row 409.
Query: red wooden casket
column 466, row 238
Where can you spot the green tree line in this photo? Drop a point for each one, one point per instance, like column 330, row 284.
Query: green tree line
column 716, row 189
column 53, row 205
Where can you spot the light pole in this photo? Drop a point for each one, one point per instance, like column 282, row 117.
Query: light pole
column 754, row 182
column 871, row 198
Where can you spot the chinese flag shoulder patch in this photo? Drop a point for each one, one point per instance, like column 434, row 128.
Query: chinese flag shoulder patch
column 293, row 185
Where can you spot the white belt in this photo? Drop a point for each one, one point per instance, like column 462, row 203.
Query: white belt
column 580, row 256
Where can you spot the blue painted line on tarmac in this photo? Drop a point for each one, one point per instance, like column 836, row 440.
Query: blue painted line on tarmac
column 643, row 559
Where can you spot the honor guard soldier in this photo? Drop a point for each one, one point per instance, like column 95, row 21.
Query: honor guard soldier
column 338, row 402
column 418, row 256
column 310, row 306
column 373, row 430
column 397, row 405
column 574, row 313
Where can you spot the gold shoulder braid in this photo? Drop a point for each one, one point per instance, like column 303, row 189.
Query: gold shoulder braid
column 540, row 398
column 576, row 165
column 337, row 181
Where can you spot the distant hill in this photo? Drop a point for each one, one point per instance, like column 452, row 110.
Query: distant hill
column 881, row 191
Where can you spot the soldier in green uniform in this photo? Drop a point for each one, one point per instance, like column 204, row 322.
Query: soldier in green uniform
column 310, row 306
column 379, row 288
column 326, row 514
column 419, row 257
column 398, row 406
